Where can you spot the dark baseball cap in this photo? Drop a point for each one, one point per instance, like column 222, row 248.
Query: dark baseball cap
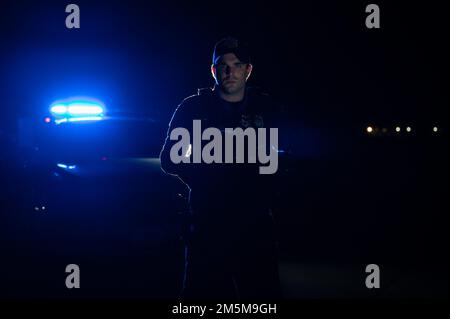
column 231, row 45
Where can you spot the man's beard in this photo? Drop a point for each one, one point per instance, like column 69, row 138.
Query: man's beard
column 232, row 89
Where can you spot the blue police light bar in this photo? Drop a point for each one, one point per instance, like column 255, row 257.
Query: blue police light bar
column 77, row 110
column 64, row 166
column 59, row 109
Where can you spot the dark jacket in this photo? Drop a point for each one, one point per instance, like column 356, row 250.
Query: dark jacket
column 223, row 192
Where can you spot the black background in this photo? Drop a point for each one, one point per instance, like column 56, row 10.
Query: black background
column 352, row 199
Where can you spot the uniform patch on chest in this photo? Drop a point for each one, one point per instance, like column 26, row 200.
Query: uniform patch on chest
column 251, row 120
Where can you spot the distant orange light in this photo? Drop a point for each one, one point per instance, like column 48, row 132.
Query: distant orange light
column 369, row 129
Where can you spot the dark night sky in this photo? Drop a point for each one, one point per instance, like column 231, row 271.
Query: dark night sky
column 317, row 58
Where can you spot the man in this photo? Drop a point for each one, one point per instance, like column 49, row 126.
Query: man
column 230, row 242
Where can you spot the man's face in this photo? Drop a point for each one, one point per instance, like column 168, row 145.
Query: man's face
column 230, row 73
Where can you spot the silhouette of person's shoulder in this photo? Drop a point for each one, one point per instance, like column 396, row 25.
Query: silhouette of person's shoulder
column 197, row 103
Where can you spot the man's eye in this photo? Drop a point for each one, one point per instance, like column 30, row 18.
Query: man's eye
column 238, row 66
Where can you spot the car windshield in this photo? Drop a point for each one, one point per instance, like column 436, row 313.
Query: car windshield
column 109, row 138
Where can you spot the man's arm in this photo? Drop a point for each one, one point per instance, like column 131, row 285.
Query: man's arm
column 178, row 120
column 182, row 118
